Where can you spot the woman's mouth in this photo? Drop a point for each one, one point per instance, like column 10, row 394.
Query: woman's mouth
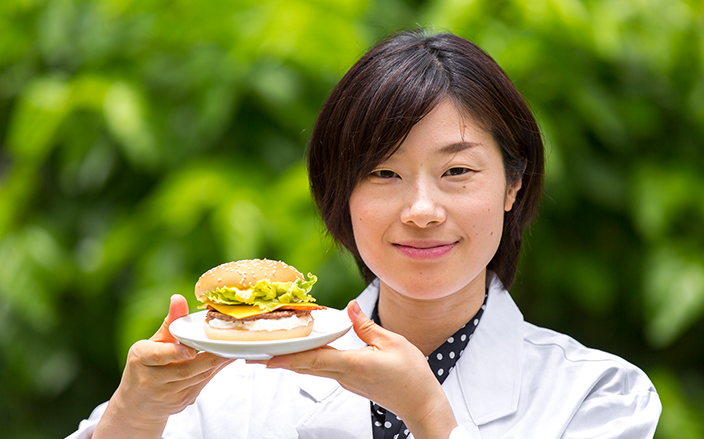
column 425, row 249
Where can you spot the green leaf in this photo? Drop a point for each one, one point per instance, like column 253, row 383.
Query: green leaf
column 42, row 108
column 674, row 293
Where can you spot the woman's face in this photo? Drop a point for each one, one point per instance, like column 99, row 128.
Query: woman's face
column 429, row 219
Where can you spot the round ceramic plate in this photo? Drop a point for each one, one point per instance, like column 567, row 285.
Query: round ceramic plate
column 328, row 324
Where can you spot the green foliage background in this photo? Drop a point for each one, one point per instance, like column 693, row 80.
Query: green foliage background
column 142, row 142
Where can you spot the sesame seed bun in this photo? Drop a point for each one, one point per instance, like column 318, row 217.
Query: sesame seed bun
column 244, row 273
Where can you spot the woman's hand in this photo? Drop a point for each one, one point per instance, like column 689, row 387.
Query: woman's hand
column 389, row 371
column 161, row 378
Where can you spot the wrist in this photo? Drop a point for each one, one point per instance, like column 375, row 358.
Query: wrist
column 433, row 419
column 121, row 420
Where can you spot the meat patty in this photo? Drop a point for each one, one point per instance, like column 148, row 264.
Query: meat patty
column 278, row 314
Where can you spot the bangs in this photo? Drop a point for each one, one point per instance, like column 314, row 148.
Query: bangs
column 382, row 112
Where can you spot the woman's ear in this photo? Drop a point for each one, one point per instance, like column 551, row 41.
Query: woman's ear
column 514, row 187
column 512, row 193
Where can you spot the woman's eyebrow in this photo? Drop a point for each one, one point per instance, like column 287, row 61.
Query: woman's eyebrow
column 457, row 147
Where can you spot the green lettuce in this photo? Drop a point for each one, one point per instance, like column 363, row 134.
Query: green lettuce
column 265, row 294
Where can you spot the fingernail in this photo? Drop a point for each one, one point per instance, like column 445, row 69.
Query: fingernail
column 354, row 306
column 272, row 363
column 187, row 354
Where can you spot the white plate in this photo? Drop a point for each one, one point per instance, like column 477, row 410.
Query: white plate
column 328, row 324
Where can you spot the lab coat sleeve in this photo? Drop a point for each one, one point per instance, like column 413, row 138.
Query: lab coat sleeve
column 87, row 426
column 631, row 416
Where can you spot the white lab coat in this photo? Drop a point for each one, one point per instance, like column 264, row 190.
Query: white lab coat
column 514, row 380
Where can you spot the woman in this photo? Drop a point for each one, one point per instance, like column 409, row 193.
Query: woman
column 427, row 165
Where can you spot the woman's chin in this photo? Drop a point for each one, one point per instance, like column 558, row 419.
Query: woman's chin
column 433, row 290
column 425, row 287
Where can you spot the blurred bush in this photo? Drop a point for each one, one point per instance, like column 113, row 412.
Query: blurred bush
column 144, row 142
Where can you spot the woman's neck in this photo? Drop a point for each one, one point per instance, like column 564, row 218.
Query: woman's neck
column 428, row 323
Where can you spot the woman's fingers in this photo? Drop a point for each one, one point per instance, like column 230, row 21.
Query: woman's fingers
column 371, row 333
column 150, row 353
column 321, row 361
column 186, row 386
column 172, row 362
column 368, row 331
column 178, row 307
column 201, row 377
column 167, row 349
column 201, row 366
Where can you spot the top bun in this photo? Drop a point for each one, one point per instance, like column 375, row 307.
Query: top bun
column 245, row 273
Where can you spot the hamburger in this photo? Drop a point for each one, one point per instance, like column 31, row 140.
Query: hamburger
column 256, row 300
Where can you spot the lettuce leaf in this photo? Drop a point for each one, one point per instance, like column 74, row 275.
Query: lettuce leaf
column 265, row 294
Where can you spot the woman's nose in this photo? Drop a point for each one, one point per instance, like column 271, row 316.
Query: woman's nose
column 422, row 207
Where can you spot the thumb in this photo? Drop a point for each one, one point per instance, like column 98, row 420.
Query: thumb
column 368, row 331
column 178, row 307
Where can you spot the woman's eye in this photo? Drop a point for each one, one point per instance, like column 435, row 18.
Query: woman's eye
column 384, row 173
column 457, row 171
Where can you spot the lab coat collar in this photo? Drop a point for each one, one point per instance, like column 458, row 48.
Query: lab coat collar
column 324, row 421
column 489, row 371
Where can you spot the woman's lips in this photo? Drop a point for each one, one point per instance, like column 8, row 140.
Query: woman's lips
column 425, row 250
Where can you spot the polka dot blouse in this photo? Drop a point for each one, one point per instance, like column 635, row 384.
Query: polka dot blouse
column 387, row 425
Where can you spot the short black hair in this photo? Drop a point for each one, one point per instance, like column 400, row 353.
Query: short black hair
column 386, row 92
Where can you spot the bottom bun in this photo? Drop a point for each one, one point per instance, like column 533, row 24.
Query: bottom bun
column 244, row 334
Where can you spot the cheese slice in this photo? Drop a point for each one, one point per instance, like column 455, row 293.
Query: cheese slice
column 244, row 311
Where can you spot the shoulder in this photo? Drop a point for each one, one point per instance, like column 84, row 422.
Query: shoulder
column 588, row 389
column 547, row 352
column 550, row 356
column 526, row 372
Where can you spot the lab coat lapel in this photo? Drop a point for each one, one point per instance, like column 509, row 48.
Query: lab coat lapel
column 489, row 371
